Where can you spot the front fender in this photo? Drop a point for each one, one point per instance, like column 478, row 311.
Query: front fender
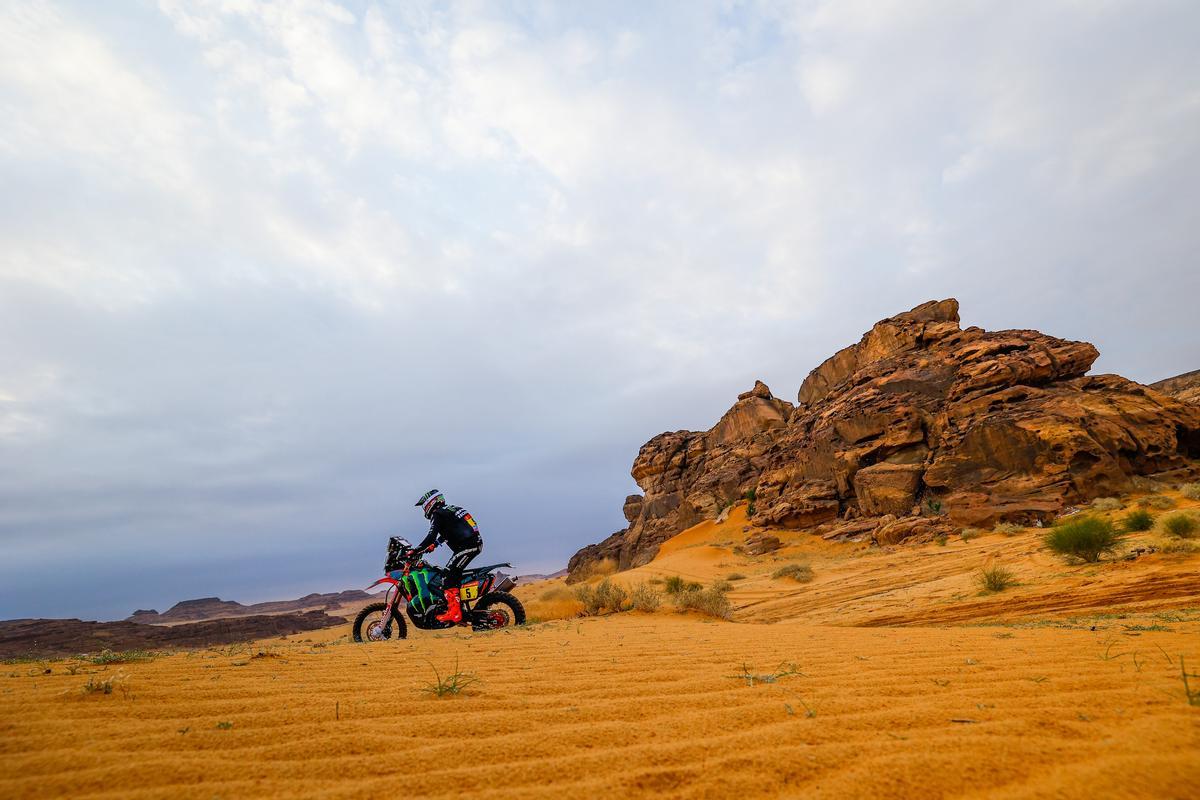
column 386, row 579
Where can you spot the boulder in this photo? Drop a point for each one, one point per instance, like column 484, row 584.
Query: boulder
column 888, row 488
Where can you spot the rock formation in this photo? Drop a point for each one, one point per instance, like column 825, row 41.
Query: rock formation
column 1185, row 387
column 919, row 426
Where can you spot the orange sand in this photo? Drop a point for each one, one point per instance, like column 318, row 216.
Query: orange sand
column 1079, row 699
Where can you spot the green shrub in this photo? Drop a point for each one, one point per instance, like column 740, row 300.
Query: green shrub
column 968, row 534
column 995, row 578
column 940, row 540
column 722, row 585
column 1180, row 524
column 801, row 573
column 1008, row 528
column 1190, row 490
column 1106, row 504
column 1138, row 520
column 1086, row 538
column 1159, row 501
column 735, row 576
column 645, row 598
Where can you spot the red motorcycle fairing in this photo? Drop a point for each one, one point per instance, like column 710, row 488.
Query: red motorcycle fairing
column 385, row 579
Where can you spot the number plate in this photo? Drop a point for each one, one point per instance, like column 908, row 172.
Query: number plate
column 470, row 591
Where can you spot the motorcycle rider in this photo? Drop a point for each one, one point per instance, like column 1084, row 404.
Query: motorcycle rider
column 456, row 527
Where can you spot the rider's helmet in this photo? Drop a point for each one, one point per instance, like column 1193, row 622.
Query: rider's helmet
column 430, row 501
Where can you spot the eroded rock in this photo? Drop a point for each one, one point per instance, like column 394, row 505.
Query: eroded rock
column 983, row 426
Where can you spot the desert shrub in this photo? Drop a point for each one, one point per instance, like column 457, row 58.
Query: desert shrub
column 933, row 506
column 1159, row 501
column 711, row 602
column 801, row 573
column 940, row 540
column 995, row 578
column 1008, row 528
column 735, row 576
column 722, row 585
column 1138, row 520
column 645, row 597
column 592, row 604
column 968, row 534
column 1106, row 504
column 1190, row 490
column 1180, row 524
column 611, row 595
column 676, row 585
column 121, row 657
column 1086, row 538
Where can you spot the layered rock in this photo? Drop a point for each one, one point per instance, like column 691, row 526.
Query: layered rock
column 920, row 417
column 1185, row 387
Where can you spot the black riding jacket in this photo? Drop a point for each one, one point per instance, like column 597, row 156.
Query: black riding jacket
column 453, row 525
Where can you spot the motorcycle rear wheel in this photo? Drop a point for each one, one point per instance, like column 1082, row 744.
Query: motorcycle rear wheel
column 505, row 604
column 368, row 625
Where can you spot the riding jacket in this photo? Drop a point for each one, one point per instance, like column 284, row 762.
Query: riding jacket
column 453, row 525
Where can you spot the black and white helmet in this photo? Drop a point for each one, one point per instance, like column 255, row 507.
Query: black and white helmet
column 430, row 501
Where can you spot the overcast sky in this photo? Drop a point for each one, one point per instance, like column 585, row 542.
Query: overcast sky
column 270, row 270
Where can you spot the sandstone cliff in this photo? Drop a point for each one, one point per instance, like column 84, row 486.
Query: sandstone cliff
column 919, row 426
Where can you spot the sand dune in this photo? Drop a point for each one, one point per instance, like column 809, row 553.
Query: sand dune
column 888, row 675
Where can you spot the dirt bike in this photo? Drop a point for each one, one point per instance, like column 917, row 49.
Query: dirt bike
column 484, row 594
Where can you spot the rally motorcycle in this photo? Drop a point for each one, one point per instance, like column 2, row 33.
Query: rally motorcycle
column 484, row 594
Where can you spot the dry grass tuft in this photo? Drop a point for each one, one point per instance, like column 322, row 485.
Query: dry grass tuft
column 1008, row 528
column 801, row 573
column 645, row 597
column 1159, row 501
column 1190, row 490
column 995, row 578
column 1106, row 504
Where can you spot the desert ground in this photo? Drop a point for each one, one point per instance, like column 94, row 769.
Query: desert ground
column 889, row 674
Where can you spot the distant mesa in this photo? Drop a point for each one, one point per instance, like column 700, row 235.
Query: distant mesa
column 207, row 608
column 64, row 637
column 920, row 426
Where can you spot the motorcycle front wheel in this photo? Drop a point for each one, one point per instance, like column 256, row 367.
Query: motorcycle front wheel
column 368, row 625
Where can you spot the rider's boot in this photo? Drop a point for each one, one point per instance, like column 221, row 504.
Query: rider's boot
column 453, row 608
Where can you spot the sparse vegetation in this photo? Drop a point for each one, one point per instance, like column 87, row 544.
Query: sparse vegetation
column 225, row 726
column 995, row 578
column 1192, row 695
column 968, row 534
column 750, row 506
column 1159, row 501
column 1190, row 490
column 1138, row 520
column 933, row 506
column 1086, row 538
column 801, row 573
column 676, row 585
column 735, row 576
column 105, row 657
column 452, row 684
column 711, row 602
column 94, row 686
column 784, row 670
column 1106, row 504
column 1008, row 528
column 1180, row 524
column 605, row 595
column 940, row 540
column 645, row 598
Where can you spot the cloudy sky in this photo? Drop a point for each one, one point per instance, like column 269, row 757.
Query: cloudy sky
column 269, row 270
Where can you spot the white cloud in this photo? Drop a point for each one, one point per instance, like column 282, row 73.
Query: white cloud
column 283, row 258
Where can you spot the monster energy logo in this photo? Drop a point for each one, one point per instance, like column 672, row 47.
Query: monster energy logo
column 416, row 585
